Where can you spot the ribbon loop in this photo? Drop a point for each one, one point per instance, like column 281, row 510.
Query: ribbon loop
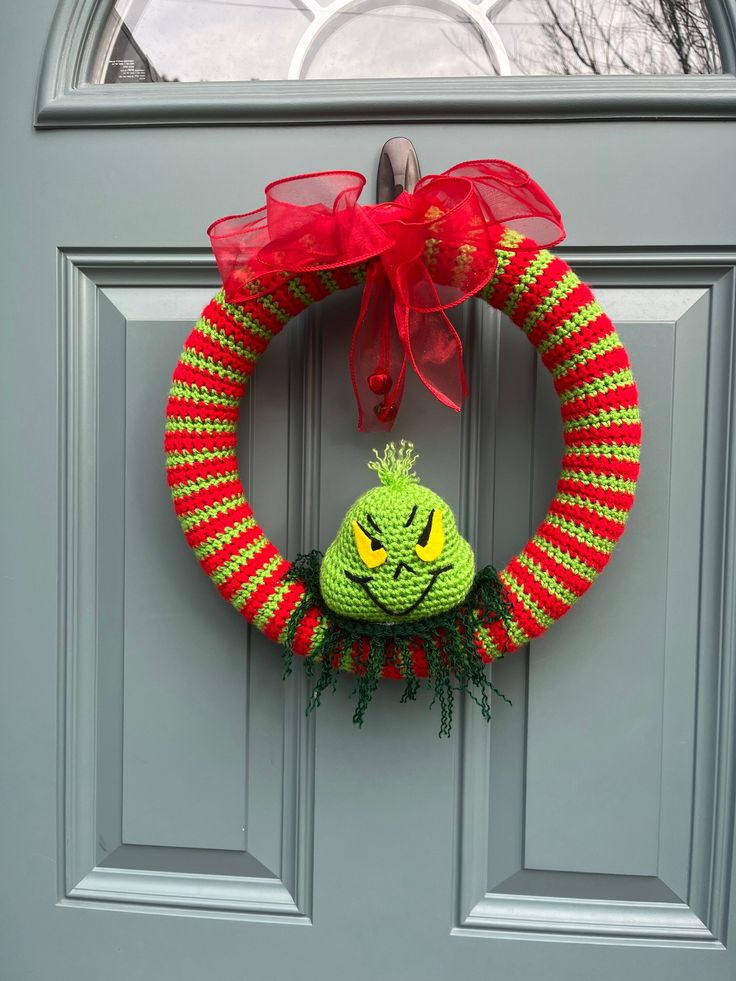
column 425, row 252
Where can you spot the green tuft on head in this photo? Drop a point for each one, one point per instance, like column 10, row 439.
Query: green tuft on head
column 395, row 468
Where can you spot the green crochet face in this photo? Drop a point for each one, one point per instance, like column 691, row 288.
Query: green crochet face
column 398, row 554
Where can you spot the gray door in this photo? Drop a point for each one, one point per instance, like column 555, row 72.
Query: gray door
column 168, row 811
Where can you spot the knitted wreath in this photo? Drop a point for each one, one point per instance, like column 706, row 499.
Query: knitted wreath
column 577, row 343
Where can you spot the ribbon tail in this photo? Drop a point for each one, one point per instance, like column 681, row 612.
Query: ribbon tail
column 436, row 354
column 377, row 356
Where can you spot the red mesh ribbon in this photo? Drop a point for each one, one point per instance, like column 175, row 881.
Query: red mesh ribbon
column 425, row 252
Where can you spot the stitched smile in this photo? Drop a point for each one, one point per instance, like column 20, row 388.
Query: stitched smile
column 364, row 581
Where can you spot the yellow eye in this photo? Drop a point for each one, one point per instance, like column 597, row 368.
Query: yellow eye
column 371, row 551
column 432, row 539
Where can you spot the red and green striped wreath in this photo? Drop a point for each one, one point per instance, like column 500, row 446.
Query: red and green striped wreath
column 598, row 398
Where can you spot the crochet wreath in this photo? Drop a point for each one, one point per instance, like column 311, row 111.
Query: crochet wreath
column 448, row 650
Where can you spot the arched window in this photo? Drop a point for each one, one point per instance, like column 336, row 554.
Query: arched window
column 249, row 40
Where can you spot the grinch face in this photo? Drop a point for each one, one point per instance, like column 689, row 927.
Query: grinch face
column 397, row 556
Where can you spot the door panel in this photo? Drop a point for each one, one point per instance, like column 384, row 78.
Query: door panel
column 605, row 804
column 171, row 810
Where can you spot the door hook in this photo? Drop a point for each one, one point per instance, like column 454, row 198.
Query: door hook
column 398, row 169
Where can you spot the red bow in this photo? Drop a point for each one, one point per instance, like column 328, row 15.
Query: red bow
column 425, row 252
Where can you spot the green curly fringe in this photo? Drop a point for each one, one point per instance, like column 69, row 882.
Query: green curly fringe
column 447, row 640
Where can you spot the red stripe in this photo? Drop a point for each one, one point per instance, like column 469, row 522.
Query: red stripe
column 523, row 617
column 238, row 332
column 269, row 321
column 207, row 348
column 177, row 408
column 201, row 471
column 284, row 611
column 305, row 631
column 263, row 593
column 622, row 500
column 601, row 364
column 624, row 397
column 229, row 550
column 559, row 537
column 577, row 341
column 510, row 276
column 201, row 499
column 219, row 523
column 247, row 571
column 211, row 382
column 624, row 469
column 181, row 441
column 597, row 523
column 562, row 573
column 614, row 434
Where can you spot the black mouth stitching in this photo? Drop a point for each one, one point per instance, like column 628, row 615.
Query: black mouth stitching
column 363, row 581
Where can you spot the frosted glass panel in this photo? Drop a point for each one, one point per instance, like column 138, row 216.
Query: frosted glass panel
column 241, row 40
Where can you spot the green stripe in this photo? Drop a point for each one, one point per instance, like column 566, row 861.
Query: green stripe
column 215, row 542
column 243, row 317
column 268, row 303
column 206, row 363
column 485, row 638
column 242, row 557
column 509, row 239
column 247, row 589
column 198, row 517
column 180, row 458
column 547, row 580
column 264, row 614
column 200, row 395
column 320, row 630
column 517, row 634
column 200, row 484
column 527, row 279
column 565, row 285
column 625, row 453
column 601, row 385
column 573, row 325
column 604, row 417
column 297, row 289
column 542, row 618
column 186, row 424
column 581, row 533
column 603, row 480
column 221, row 337
column 606, row 344
column 328, row 280
column 613, row 514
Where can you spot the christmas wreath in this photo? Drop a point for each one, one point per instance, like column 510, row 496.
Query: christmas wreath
column 397, row 595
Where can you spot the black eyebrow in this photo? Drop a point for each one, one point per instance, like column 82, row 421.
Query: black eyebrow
column 372, row 522
column 424, row 537
column 411, row 516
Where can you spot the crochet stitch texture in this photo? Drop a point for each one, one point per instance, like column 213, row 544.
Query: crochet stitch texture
column 595, row 491
column 398, row 554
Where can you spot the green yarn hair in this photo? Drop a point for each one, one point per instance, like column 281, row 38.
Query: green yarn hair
column 395, row 468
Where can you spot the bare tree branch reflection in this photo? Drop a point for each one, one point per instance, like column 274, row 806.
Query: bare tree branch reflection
column 649, row 37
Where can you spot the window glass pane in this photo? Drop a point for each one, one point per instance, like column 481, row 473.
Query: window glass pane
column 237, row 40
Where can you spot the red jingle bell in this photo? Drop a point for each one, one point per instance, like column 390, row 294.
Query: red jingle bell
column 386, row 413
column 380, row 382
